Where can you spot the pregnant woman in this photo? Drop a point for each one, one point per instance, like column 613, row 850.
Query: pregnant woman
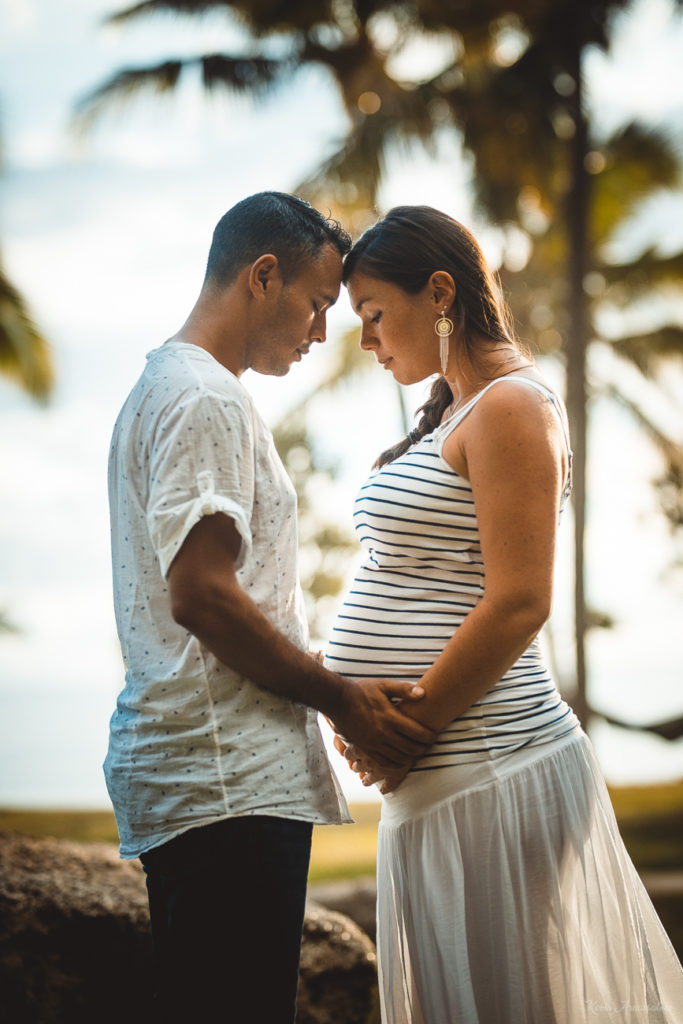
column 505, row 894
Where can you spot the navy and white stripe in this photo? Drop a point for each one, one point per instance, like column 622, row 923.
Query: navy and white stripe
column 422, row 575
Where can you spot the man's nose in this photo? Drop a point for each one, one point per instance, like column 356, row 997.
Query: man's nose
column 318, row 330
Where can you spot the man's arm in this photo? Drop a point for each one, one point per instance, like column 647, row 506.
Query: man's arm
column 207, row 600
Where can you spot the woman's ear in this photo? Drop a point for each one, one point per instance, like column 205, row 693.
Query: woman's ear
column 263, row 274
column 441, row 289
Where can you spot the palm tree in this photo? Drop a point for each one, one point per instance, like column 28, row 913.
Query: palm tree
column 513, row 87
column 527, row 127
column 6, row 624
column 25, row 355
column 325, row 548
column 626, row 168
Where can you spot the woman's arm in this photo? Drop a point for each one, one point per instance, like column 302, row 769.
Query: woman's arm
column 513, row 451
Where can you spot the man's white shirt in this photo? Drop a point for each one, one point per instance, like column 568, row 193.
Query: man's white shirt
column 191, row 740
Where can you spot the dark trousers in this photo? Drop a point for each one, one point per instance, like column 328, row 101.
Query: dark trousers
column 226, row 905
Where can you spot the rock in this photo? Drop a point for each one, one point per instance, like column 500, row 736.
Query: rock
column 75, row 945
column 356, row 898
column 74, row 941
column 338, row 980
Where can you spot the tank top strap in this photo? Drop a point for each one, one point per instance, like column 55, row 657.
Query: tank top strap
column 555, row 401
column 450, row 424
column 453, row 421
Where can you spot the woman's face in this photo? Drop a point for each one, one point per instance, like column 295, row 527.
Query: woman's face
column 397, row 327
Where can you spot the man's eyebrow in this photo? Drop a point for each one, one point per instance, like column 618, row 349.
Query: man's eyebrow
column 359, row 304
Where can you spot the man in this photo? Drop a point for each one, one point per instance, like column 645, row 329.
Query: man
column 216, row 766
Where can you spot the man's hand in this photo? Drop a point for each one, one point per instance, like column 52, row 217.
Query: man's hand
column 370, row 719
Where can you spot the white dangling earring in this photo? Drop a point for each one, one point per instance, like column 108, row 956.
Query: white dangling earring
column 444, row 329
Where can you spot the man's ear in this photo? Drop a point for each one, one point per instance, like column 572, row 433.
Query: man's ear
column 264, row 273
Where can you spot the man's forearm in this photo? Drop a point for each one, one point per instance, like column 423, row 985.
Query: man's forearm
column 207, row 599
column 230, row 625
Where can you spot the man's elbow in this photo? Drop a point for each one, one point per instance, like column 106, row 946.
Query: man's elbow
column 184, row 609
column 203, row 605
column 191, row 602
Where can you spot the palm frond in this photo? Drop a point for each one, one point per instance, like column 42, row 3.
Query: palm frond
column 251, row 75
column 638, row 277
column 506, row 115
column 638, row 161
column 669, row 484
column 260, row 17
column 126, row 85
column 347, row 182
column 669, row 729
column 6, row 624
column 25, row 354
column 189, row 7
column 646, row 351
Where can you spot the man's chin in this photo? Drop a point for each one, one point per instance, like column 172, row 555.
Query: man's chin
column 273, row 369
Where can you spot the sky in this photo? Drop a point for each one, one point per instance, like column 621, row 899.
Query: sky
column 106, row 236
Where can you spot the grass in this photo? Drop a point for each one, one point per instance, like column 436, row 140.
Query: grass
column 651, row 822
column 650, row 819
column 81, row 826
column 346, row 851
column 339, row 851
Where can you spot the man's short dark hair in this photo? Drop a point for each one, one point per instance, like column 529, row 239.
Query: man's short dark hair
column 273, row 222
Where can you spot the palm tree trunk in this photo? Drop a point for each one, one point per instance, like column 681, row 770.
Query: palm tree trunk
column 577, row 212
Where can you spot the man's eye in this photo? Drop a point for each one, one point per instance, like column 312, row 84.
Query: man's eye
column 376, row 318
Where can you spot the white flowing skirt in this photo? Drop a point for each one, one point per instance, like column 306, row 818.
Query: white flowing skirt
column 505, row 895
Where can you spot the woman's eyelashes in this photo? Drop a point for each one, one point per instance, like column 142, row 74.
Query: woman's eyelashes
column 376, row 318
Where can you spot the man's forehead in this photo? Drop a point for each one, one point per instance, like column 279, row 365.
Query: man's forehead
column 325, row 273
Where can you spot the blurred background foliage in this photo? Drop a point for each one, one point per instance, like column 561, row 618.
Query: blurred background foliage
column 25, row 354
column 506, row 79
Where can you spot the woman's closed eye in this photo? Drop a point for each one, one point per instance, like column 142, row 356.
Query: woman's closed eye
column 376, row 318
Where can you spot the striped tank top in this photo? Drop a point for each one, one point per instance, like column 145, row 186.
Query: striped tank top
column 423, row 572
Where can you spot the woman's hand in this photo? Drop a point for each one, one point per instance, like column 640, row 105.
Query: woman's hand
column 371, row 773
column 390, row 782
column 340, row 743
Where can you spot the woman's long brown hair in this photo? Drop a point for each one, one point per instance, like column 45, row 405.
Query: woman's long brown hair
column 405, row 248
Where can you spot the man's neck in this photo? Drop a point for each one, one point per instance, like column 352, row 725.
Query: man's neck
column 216, row 326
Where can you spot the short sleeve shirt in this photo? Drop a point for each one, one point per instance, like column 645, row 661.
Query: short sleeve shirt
column 191, row 740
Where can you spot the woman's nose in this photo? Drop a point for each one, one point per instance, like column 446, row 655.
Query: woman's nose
column 366, row 338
